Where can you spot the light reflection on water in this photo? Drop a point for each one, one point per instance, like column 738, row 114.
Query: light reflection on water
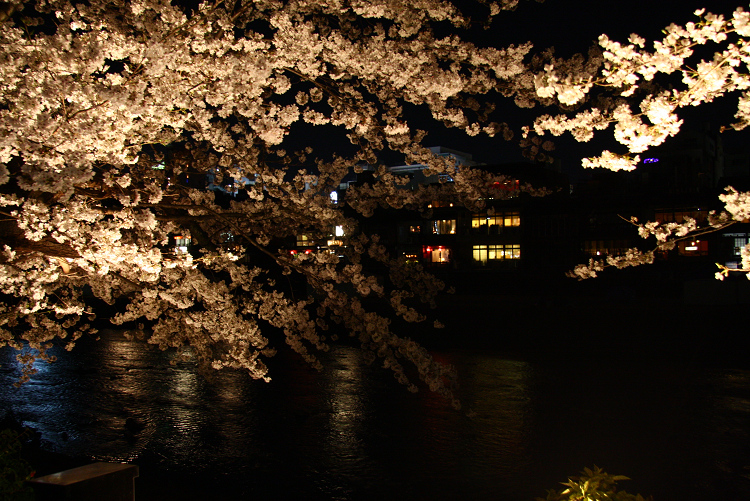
column 352, row 432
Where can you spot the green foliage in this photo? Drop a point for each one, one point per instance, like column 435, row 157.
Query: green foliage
column 14, row 471
column 593, row 485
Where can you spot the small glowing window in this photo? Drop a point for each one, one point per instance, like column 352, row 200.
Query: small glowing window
column 444, row 227
column 304, row 241
column 181, row 244
column 439, row 254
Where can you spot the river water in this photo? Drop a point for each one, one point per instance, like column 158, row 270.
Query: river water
column 680, row 429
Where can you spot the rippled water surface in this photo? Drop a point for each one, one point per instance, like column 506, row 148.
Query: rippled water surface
column 680, row 430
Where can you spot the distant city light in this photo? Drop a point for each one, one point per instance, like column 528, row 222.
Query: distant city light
column 650, row 160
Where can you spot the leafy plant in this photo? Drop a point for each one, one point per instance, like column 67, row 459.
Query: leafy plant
column 593, row 485
column 14, row 471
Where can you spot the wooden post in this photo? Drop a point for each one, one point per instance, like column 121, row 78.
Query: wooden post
column 93, row 482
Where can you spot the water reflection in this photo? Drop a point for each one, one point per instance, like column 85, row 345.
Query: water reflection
column 345, row 394
column 488, row 449
column 500, row 398
column 352, row 432
column 730, row 435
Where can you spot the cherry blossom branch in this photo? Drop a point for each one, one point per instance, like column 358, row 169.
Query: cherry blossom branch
column 623, row 66
column 737, row 209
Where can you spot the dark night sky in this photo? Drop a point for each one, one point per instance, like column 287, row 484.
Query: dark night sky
column 575, row 23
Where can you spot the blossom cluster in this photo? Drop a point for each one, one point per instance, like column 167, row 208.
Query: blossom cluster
column 631, row 257
column 628, row 71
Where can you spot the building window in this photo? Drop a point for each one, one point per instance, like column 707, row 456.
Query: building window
column 739, row 240
column 511, row 219
column 480, row 254
column 739, row 243
column 498, row 220
column 506, row 189
column 437, row 255
column 692, row 248
column 512, row 252
column 335, row 240
column 496, row 252
column 181, row 244
column 444, row 227
column 304, row 241
column 415, row 228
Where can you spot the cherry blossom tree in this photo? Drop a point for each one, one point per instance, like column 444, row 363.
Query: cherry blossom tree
column 106, row 107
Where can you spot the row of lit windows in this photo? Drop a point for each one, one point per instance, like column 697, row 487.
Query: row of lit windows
column 494, row 252
column 448, row 226
column 497, row 219
column 481, row 253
